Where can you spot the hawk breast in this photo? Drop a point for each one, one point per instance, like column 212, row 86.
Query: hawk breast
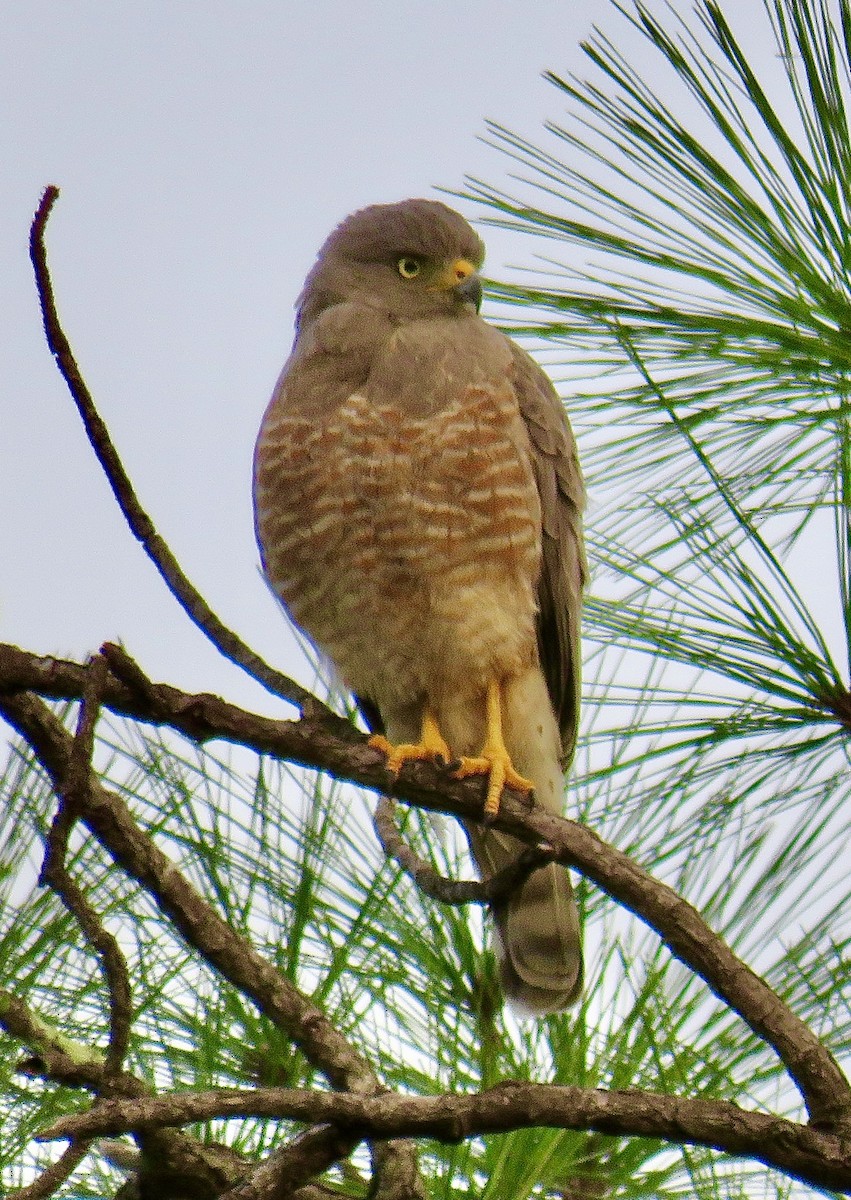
column 401, row 525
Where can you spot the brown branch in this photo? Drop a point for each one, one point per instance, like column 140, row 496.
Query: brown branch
column 52, row 1177
column 109, row 819
column 169, row 1167
column 319, row 739
column 141, row 525
column 288, row 1173
column 493, row 891
column 331, row 744
column 55, row 874
column 819, row 1159
column 103, row 943
column 287, row 1170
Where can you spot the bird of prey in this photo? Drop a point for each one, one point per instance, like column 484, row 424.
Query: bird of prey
column 418, row 509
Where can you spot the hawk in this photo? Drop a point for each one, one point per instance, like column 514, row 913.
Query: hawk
column 418, row 509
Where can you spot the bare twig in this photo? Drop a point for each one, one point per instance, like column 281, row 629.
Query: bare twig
column 56, row 875
column 493, row 891
column 52, row 1177
column 141, row 525
column 331, row 744
column 822, row 1160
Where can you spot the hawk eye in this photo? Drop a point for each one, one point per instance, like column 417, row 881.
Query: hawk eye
column 408, row 267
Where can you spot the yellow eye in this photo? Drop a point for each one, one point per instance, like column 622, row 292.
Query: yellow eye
column 408, row 267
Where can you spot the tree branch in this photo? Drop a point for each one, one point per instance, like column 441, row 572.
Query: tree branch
column 52, row 1177
column 109, row 819
column 287, row 1170
column 55, row 874
column 141, row 525
column 492, row 891
column 329, row 743
column 819, row 1159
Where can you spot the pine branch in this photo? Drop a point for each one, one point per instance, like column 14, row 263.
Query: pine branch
column 816, row 1073
column 819, row 1159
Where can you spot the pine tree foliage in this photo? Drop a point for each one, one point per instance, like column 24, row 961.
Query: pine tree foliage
column 691, row 297
column 692, row 227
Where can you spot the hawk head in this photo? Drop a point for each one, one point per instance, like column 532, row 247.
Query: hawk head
column 413, row 259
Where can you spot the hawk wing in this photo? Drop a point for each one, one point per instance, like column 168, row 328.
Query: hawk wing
column 563, row 570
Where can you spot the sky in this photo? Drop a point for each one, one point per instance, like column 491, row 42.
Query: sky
column 203, row 151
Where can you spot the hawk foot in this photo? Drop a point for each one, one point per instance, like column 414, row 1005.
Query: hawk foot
column 494, row 762
column 430, row 746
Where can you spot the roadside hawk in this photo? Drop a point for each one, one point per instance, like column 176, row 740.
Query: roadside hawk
column 418, row 508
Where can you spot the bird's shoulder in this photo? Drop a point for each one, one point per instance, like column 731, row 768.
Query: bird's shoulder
column 332, row 356
column 551, row 437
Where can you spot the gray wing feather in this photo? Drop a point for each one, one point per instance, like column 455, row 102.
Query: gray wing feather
column 563, row 568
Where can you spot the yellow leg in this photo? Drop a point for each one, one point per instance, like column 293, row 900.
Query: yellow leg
column 494, row 759
column 430, row 745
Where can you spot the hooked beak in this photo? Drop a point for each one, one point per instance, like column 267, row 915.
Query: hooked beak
column 462, row 278
column 470, row 290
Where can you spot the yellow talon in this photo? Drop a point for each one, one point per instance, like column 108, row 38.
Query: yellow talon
column 430, row 745
column 500, row 772
column 494, row 759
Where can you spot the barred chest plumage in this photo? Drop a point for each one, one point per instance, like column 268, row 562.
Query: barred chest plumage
column 404, row 541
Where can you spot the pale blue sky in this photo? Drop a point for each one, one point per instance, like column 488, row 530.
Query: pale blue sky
column 204, row 150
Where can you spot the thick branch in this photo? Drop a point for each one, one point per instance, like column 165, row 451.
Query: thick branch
column 331, row 744
column 109, row 819
column 287, row 1170
column 821, row 1160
